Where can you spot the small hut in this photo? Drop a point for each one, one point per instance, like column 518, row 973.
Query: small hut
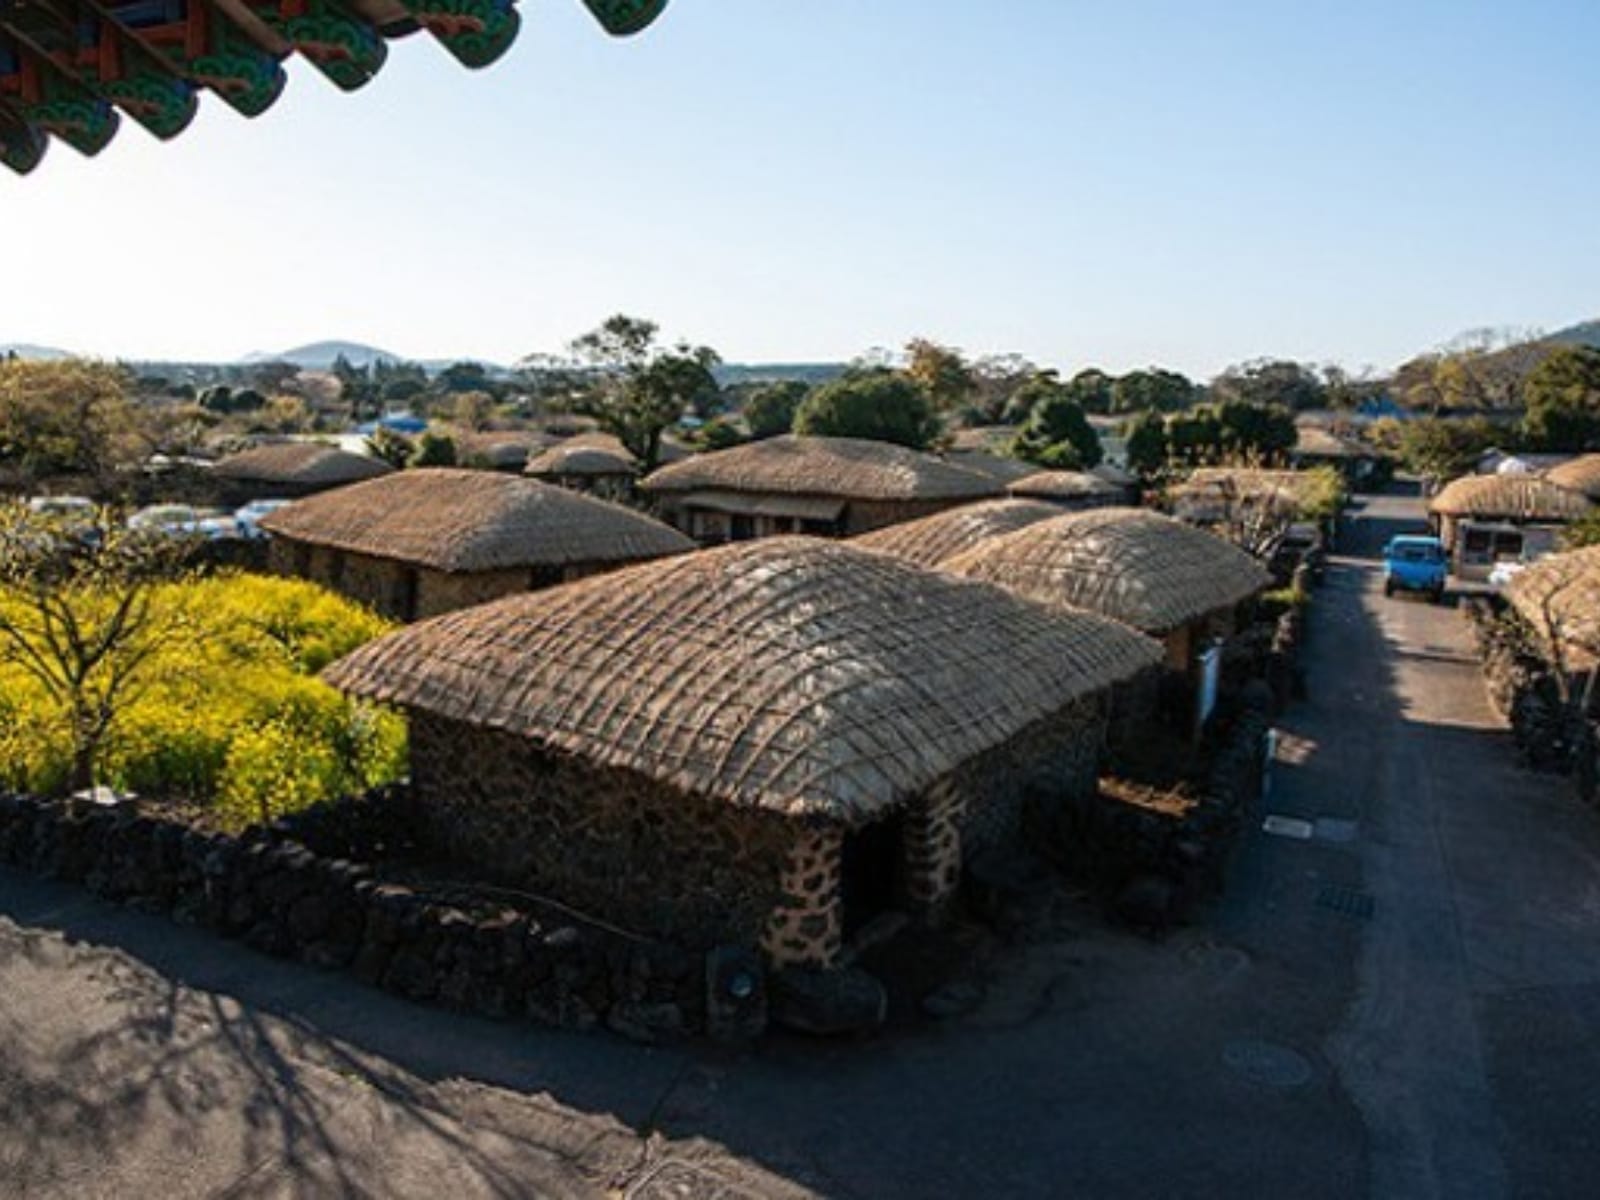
column 423, row 542
column 934, row 539
column 290, row 470
column 1581, row 474
column 1162, row 577
column 832, row 487
column 1067, row 489
column 1487, row 519
column 766, row 744
column 596, row 463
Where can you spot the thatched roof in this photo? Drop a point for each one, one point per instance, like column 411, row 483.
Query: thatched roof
column 849, row 468
column 1063, row 485
column 1313, row 441
column 1114, row 475
column 790, row 674
column 996, row 466
column 1559, row 597
column 454, row 520
column 300, row 464
column 502, row 449
column 1136, row 566
column 1511, row 497
column 586, row 454
column 992, row 439
column 931, row 540
column 1581, row 474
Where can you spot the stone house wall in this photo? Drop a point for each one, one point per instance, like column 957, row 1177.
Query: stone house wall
column 864, row 516
column 610, row 843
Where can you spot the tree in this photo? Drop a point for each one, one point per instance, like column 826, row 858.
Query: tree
column 1563, row 399
column 386, row 445
column 879, row 405
column 642, row 390
column 1146, row 437
column 1265, row 432
column 64, row 418
column 1057, row 433
column 1267, row 381
column 472, row 411
column 1093, row 390
column 1158, row 389
column 996, row 378
column 771, row 408
column 433, row 450
column 282, row 414
column 77, row 615
column 943, row 373
column 1440, row 448
column 719, row 434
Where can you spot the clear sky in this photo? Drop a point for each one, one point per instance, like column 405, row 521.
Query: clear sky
column 1183, row 182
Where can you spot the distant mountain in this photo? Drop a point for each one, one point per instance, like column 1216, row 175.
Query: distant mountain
column 1585, row 334
column 319, row 356
column 28, row 350
column 730, row 374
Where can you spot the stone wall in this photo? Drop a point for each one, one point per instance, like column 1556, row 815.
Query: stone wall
column 331, row 887
column 863, row 516
column 612, row 843
column 1523, row 687
column 1051, row 763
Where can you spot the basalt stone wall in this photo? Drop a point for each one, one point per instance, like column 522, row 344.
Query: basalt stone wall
column 612, row 843
column 313, row 888
column 1523, row 688
column 1051, row 763
column 863, row 516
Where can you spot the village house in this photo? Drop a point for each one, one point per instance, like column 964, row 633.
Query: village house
column 1318, row 446
column 1165, row 578
column 423, row 542
column 762, row 744
column 831, row 487
column 1067, row 489
column 1581, row 474
column 999, row 467
column 931, row 540
column 1488, row 519
column 595, row 463
column 291, row 470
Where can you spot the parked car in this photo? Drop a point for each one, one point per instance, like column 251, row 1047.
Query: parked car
column 73, row 517
column 246, row 519
column 1415, row 564
column 180, row 520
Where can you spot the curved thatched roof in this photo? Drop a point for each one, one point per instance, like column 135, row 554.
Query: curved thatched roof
column 587, row 454
column 1314, row 441
column 1581, row 474
column 300, row 464
column 453, row 520
column 1559, row 597
column 1064, row 485
column 824, row 466
column 1136, row 566
column 995, row 466
column 1512, row 497
column 931, row 540
column 790, row 674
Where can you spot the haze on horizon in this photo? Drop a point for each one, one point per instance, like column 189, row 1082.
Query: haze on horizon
column 1347, row 183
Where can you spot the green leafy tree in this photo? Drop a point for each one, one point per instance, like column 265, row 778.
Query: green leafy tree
column 1158, row 389
column 464, row 377
column 1146, row 437
column 719, row 434
column 1261, row 431
column 386, row 445
column 771, row 408
column 64, row 418
column 1440, row 448
column 1093, row 391
column 1563, row 399
column 433, row 450
column 1057, row 433
column 876, row 404
column 943, row 373
column 1267, row 382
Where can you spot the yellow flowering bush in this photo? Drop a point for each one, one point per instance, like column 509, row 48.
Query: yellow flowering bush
column 229, row 712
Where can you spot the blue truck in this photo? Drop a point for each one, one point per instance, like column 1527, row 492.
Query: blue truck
column 1415, row 564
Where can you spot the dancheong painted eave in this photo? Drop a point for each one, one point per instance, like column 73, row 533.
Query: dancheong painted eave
column 71, row 69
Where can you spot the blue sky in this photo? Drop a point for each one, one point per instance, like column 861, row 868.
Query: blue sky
column 1179, row 182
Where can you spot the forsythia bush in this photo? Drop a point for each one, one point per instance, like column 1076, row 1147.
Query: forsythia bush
column 229, row 712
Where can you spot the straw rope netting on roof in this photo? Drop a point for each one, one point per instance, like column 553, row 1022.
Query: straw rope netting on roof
column 584, row 455
column 1063, row 485
column 1517, row 497
column 790, row 674
column 931, row 540
column 825, row 466
column 1559, row 596
column 995, row 466
column 1136, row 566
column 1581, row 474
column 453, row 520
column 301, row 463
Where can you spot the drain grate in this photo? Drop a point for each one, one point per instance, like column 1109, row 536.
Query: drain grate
column 1347, row 902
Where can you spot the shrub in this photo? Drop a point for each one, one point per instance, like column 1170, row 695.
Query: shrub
column 231, row 714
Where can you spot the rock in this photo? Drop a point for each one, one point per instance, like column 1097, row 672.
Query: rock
column 955, row 999
column 828, row 1003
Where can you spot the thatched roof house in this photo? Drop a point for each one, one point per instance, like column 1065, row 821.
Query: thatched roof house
column 685, row 747
column 820, row 485
column 944, row 535
column 1559, row 598
column 289, row 470
column 1146, row 570
column 590, row 462
column 423, row 542
column 1066, row 489
column 1581, row 474
column 1485, row 519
